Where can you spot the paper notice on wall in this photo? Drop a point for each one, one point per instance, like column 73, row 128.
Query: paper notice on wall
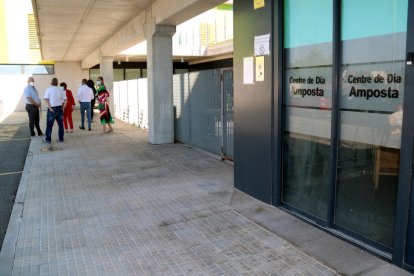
column 248, row 70
column 262, row 45
column 260, row 68
column 258, row 4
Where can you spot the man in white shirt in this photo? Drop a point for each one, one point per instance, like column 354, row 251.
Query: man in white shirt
column 85, row 95
column 54, row 97
column 33, row 104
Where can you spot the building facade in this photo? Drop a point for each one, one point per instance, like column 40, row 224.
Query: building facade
column 320, row 90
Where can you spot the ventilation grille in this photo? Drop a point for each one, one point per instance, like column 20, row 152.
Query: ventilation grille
column 33, row 38
column 34, row 45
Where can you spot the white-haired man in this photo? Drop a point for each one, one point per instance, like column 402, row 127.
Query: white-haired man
column 33, row 104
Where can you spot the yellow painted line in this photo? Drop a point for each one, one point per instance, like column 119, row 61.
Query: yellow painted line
column 10, row 173
column 19, row 139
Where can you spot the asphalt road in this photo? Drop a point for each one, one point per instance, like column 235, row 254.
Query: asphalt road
column 14, row 145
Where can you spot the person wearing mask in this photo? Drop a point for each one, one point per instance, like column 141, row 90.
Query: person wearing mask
column 85, row 95
column 33, row 104
column 103, row 106
column 67, row 112
column 54, row 98
column 91, row 85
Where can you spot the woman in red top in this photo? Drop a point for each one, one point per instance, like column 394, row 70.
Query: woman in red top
column 67, row 112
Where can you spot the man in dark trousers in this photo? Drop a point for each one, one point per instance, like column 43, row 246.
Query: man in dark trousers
column 85, row 96
column 33, row 104
column 56, row 102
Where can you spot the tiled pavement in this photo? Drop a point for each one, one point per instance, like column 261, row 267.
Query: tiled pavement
column 113, row 204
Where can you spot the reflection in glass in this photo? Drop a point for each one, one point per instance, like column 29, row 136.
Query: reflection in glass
column 119, row 74
column 307, row 104
column 371, row 98
column 132, row 74
column 94, row 74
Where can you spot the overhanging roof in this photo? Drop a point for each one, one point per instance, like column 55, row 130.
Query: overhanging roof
column 76, row 30
column 71, row 30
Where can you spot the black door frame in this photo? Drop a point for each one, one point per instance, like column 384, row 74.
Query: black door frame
column 406, row 182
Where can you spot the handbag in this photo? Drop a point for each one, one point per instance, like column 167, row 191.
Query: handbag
column 101, row 106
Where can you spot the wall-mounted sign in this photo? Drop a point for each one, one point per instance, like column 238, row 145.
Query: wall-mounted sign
column 309, row 87
column 262, row 45
column 368, row 91
column 260, row 68
column 248, row 70
column 374, row 87
column 258, row 4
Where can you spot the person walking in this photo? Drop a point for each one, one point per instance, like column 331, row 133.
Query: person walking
column 91, row 85
column 67, row 112
column 33, row 104
column 85, row 95
column 104, row 112
column 54, row 98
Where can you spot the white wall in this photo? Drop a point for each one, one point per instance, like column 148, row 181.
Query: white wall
column 17, row 29
column 11, row 94
column 12, row 86
column 69, row 72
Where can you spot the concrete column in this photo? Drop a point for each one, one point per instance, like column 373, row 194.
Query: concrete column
column 107, row 72
column 160, row 83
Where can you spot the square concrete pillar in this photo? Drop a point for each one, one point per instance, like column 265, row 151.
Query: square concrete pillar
column 160, row 84
column 107, row 72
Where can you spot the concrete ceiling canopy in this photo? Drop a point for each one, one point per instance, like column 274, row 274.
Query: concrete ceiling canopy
column 76, row 30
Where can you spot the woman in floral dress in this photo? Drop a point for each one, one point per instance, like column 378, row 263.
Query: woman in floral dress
column 103, row 105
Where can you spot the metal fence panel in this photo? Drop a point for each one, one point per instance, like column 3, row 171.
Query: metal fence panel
column 203, row 108
column 205, row 100
column 182, row 108
column 133, row 101
column 143, row 103
column 117, row 104
column 199, row 113
column 228, row 114
column 123, row 92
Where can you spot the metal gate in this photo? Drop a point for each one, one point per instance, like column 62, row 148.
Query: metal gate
column 203, row 105
column 228, row 113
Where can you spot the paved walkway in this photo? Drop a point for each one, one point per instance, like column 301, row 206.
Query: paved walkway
column 113, row 204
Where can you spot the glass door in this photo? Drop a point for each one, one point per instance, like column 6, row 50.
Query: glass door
column 371, row 94
column 307, row 105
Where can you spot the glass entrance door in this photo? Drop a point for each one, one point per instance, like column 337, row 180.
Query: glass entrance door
column 370, row 93
column 307, row 105
column 373, row 38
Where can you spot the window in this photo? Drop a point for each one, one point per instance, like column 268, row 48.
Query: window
column 371, row 99
column 307, row 104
